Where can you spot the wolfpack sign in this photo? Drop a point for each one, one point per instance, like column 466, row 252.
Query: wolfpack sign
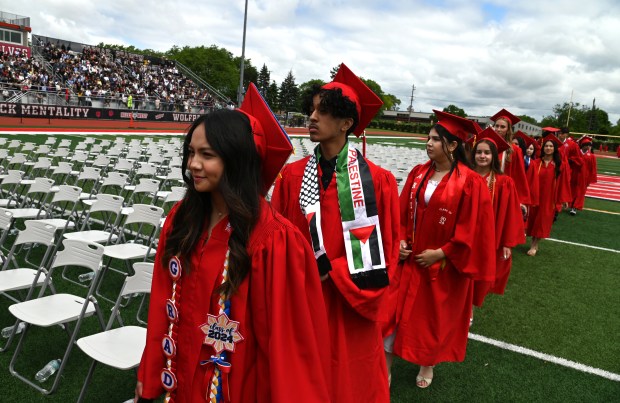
column 14, row 50
column 18, row 110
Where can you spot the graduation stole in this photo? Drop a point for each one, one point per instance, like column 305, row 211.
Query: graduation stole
column 442, row 211
column 358, row 211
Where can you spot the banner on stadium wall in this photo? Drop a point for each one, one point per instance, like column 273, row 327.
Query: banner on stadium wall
column 85, row 112
column 15, row 50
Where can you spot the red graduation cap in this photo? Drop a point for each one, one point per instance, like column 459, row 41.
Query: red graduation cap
column 552, row 137
column 272, row 142
column 507, row 115
column 493, row 137
column 528, row 140
column 365, row 100
column 456, row 125
column 550, row 129
column 584, row 140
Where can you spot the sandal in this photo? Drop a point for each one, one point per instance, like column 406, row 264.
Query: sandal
column 423, row 382
column 419, row 379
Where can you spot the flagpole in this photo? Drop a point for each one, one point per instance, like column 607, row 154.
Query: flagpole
column 242, row 67
column 569, row 107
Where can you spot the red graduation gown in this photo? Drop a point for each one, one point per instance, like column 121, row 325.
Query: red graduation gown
column 515, row 168
column 590, row 158
column 587, row 176
column 433, row 315
column 552, row 191
column 355, row 316
column 509, row 228
column 573, row 154
column 284, row 354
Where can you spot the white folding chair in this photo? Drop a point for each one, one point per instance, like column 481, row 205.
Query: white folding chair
column 8, row 188
column 41, row 167
column 120, row 347
column 61, row 172
column 136, row 240
column 107, row 208
column 57, row 309
column 62, row 212
column 17, row 161
column 114, row 180
column 14, row 278
column 88, row 180
column 144, row 192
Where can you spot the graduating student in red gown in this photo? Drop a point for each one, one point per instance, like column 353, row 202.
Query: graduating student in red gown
column 530, row 154
column 571, row 152
column 509, row 228
column 587, row 172
column 236, row 311
column 446, row 224
column 553, row 190
column 347, row 208
column 511, row 161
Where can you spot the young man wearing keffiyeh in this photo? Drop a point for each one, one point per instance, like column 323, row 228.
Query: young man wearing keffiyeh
column 347, row 207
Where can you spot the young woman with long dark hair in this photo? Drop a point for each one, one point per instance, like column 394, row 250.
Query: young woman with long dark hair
column 446, row 224
column 553, row 189
column 509, row 229
column 511, row 160
column 236, row 311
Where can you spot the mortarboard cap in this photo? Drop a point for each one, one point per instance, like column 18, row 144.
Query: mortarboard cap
column 552, row 137
column 550, row 129
column 491, row 135
column 272, row 141
column 505, row 114
column 456, row 125
column 366, row 101
column 528, row 140
column 584, row 140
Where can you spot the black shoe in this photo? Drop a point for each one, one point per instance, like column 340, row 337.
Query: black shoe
column 572, row 211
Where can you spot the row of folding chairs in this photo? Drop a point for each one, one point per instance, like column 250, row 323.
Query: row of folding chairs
column 116, row 344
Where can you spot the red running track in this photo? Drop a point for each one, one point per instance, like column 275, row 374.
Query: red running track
column 607, row 187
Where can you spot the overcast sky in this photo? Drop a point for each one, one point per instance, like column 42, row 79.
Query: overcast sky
column 524, row 55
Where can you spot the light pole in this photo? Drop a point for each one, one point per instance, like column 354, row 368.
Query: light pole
column 242, row 67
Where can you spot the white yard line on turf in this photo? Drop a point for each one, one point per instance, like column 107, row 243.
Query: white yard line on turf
column 584, row 245
column 546, row 357
column 601, row 211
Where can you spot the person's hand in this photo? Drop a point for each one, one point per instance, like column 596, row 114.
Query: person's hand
column 507, row 253
column 429, row 256
column 138, row 392
column 404, row 251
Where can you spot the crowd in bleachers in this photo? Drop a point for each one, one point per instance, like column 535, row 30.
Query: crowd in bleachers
column 112, row 78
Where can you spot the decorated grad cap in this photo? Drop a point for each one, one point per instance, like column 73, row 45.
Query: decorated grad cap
column 528, row 140
column 366, row 101
column 272, row 141
column 493, row 137
column 553, row 138
column 456, row 125
column 507, row 115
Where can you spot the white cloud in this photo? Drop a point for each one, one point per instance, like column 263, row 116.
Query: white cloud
column 481, row 55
